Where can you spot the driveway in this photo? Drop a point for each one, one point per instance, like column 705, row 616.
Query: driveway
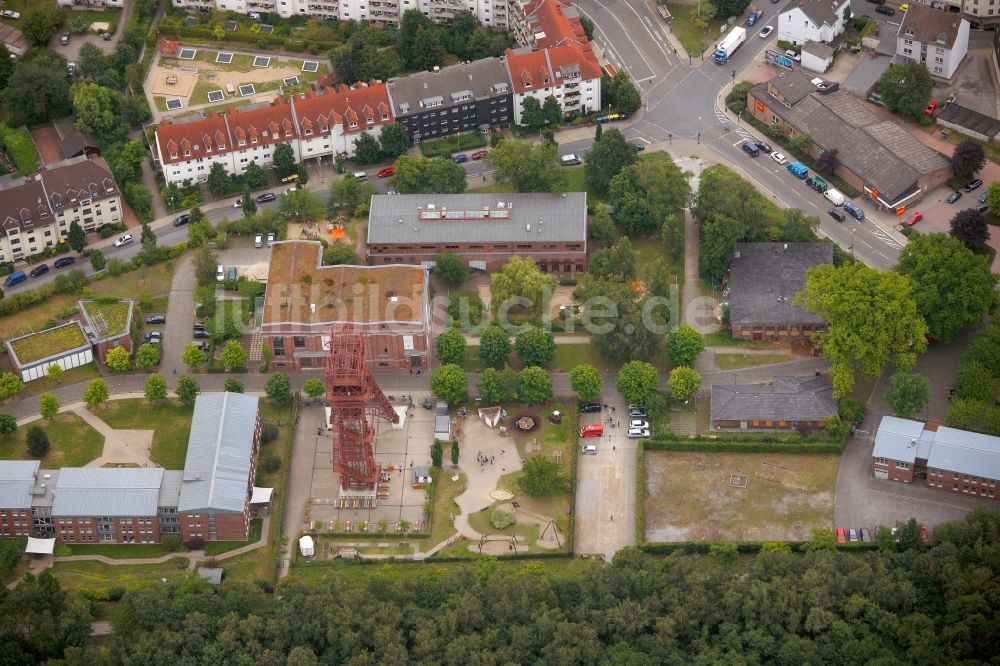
column 300, row 478
column 71, row 51
column 606, row 487
column 180, row 317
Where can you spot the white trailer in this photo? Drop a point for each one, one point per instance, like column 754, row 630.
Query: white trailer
column 727, row 47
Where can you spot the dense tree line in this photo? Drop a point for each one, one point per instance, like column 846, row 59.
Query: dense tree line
column 912, row 604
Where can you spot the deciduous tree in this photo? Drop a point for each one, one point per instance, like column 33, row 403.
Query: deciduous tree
column 394, row 140
column 366, row 149
column 192, row 356
column 417, row 175
column 494, row 346
column 96, row 393
column 48, row 405
column 647, row 193
column 56, row 372
column 76, row 238
column 908, row 393
column 38, row 442
column 542, row 477
column 535, row 346
column 449, row 383
column 220, row 183
column 41, row 22
column 234, row 356
column 638, row 382
column 350, row 194
column 301, row 205
column 532, row 115
column 534, row 386
column 521, row 279
column 684, row 344
column 118, row 359
column 10, row 385
column 526, row 166
column 490, row 387
column 314, row 388
column 952, row 286
column 450, row 269
column 551, row 111
column 187, row 390
column 607, row 157
column 586, row 381
column 451, row 346
column 872, row 320
column 254, row 177
column 969, row 226
column 617, row 261
column 284, row 160
column 155, row 388
column 96, row 108
column 279, row 388
column 233, row 385
column 8, row 424
column 968, row 159
column 339, row 254
column 905, row 88
column 683, row 383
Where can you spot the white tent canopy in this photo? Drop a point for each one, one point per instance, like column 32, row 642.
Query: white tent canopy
column 40, row 546
column 261, row 495
column 306, row 546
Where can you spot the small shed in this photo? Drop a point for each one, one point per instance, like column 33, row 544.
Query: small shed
column 817, row 56
column 491, row 416
column 442, row 427
column 422, row 475
column 212, row 574
column 306, row 546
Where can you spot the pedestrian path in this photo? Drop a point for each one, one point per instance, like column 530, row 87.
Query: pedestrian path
column 120, row 446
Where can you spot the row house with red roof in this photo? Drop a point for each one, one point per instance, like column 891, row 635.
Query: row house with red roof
column 312, row 124
column 564, row 72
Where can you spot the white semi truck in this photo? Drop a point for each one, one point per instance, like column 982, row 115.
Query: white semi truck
column 727, row 47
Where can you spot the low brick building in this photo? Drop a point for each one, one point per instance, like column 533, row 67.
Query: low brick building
column 484, row 229
column 305, row 300
column 877, row 157
column 208, row 500
column 764, row 279
column 788, row 403
column 952, row 460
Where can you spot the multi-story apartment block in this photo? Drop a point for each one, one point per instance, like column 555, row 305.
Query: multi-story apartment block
column 314, row 125
column 467, row 97
column 492, row 13
column 209, row 500
column 564, row 72
column 936, row 38
column 37, row 210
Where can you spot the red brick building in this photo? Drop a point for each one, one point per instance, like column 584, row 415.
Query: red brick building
column 208, row 500
column 305, row 299
column 484, row 229
column 948, row 459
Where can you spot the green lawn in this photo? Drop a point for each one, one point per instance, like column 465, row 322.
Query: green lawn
column 84, row 373
column 693, row 38
column 116, row 551
column 723, row 338
column 98, row 577
column 737, row 361
column 452, row 144
column 170, row 421
column 220, row 547
column 74, row 443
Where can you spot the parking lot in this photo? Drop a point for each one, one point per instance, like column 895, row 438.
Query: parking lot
column 606, row 486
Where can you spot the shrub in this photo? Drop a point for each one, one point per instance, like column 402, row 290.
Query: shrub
column 172, row 543
column 116, row 592
column 502, row 519
column 268, row 434
column 272, row 463
column 194, row 543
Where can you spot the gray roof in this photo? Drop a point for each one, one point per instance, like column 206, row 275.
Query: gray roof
column 966, row 453
column 219, row 453
column 969, row 119
column 16, row 479
column 170, row 488
column 819, row 11
column 787, row 399
column 881, row 152
column 765, row 277
column 948, row 449
column 462, row 218
column 442, row 424
column 793, row 86
column 479, row 79
column 213, row 575
column 818, row 49
column 930, row 26
column 107, row 491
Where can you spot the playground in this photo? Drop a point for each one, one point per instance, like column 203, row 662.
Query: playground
column 202, row 76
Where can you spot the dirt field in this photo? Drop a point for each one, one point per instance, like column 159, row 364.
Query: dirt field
column 688, row 496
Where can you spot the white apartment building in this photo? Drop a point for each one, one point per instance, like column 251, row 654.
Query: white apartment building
column 939, row 39
column 492, row 13
column 812, row 21
column 37, row 210
column 565, row 72
column 314, row 125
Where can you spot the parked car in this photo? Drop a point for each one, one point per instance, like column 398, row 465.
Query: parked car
column 153, row 336
column 385, row 172
column 982, row 208
column 905, row 7
column 765, row 146
column 461, row 159
column 913, row 219
column 779, row 158
column 590, row 407
column 592, row 430
column 220, row 273
column 479, row 154
column 753, row 17
column 199, row 325
column 238, row 203
column 360, row 175
column 637, row 412
column 640, row 146
column 854, row 211
column 124, row 240
column 64, row 38
column 852, row 535
column 794, row 55
column 258, row 240
column 267, row 196
column 865, row 534
column 570, row 160
column 270, row 238
column 182, row 220
column 17, row 277
column 200, row 334
column 156, row 319
column 888, row 11
column 841, row 536
column 638, row 433
column 588, row 450
column 40, row 270
column 638, row 423
column 289, row 190
column 954, row 196
column 836, row 214
column 63, row 262
column 973, row 185
column 232, row 273
column 750, row 149
column 106, row 36
column 7, row 13
column 931, row 108
column 766, row 32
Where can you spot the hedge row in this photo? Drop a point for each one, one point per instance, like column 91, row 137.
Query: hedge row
column 445, row 147
column 737, row 446
column 704, row 547
column 254, row 40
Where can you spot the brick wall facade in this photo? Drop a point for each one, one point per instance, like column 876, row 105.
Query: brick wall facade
column 296, row 348
column 16, row 523
column 764, row 331
column 89, row 529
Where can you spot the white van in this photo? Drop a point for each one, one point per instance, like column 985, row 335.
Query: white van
column 220, row 273
column 360, row 175
column 570, row 160
column 835, row 197
column 589, row 450
column 258, row 240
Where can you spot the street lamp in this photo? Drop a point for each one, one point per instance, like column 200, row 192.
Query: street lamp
column 670, row 137
column 699, row 138
column 738, row 117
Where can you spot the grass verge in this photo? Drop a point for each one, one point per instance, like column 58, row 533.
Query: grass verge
column 169, row 420
column 74, row 443
column 737, row 361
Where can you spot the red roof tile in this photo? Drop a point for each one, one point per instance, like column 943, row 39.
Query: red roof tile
column 186, row 141
column 529, row 71
column 362, row 106
column 262, row 126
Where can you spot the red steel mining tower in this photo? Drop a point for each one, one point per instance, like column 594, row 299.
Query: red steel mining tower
column 354, row 397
